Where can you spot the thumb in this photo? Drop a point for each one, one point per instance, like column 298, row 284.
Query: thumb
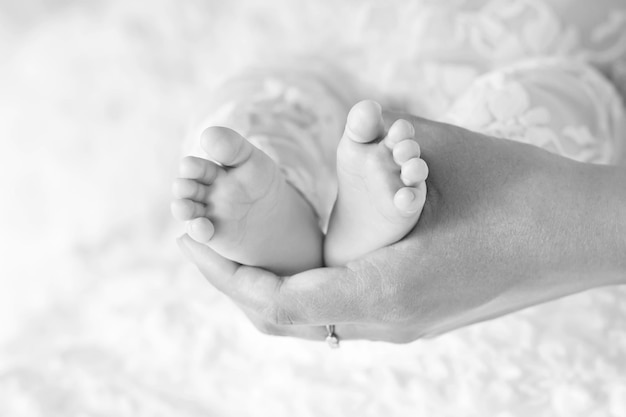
column 213, row 266
column 249, row 286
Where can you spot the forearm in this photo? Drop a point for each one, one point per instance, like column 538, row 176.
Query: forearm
column 601, row 236
column 577, row 227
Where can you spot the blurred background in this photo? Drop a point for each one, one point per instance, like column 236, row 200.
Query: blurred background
column 100, row 315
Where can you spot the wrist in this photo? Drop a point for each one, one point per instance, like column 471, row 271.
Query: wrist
column 605, row 208
column 582, row 218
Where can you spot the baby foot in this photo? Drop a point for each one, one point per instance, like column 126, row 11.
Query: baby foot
column 382, row 186
column 240, row 204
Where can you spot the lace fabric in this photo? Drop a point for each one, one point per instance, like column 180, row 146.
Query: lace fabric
column 561, row 105
column 452, row 43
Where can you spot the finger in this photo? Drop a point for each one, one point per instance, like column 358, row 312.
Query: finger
column 248, row 286
column 298, row 306
column 316, row 333
column 214, row 267
column 220, row 272
column 344, row 332
column 315, row 297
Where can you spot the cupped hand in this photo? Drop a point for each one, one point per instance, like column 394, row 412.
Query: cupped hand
column 485, row 245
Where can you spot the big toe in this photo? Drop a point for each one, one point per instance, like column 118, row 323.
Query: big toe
column 365, row 122
column 225, row 146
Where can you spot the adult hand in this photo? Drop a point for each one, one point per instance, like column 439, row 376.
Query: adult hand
column 505, row 226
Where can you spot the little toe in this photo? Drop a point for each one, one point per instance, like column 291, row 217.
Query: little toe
column 225, row 146
column 365, row 122
column 405, row 150
column 413, row 172
column 399, row 131
column 200, row 229
column 199, row 169
column 184, row 209
column 191, row 189
column 410, row 200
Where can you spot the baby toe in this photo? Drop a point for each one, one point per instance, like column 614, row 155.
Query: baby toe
column 410, row 200
column 185, row 209
column 405, row 150
column 225, row 146
column 199, row 169
column 413, row 171
column 186, row 188
column 365, row 122
column 399, row 131
column 201, row 229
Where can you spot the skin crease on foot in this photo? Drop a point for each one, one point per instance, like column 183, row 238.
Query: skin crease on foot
column 239, row 203
column 382, row 186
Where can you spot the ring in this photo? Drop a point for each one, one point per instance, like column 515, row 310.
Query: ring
column 331, row 338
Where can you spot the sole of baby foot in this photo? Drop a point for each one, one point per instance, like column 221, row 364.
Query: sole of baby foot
column 382, row 187
column 239, row 203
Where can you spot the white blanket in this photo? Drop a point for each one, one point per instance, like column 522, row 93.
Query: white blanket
column 100, row 315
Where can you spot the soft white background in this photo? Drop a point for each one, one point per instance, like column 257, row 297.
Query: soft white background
column 99, row 314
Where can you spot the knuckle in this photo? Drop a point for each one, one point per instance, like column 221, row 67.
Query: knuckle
column 278, row 316
column 280, row 310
